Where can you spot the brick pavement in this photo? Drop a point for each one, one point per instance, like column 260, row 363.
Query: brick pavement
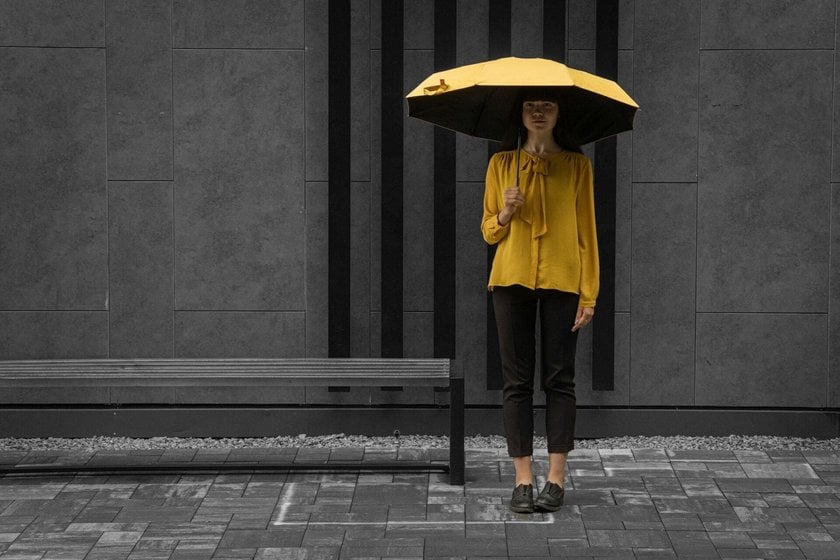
column 621, row 503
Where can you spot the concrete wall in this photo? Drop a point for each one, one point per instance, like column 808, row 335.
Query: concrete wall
column 164, row 190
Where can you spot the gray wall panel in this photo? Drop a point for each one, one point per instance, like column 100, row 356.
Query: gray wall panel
column 663, row 292
column 52, row 23
column 376, row 186
column 624, row 197
column 835, row 136
column 419, row 25
column 581, row 24
column 418, row 196
column 620, row 395
column 53, row 335
column 764, row 189
column 360, row 258
column 472, row 47
column 238, row 24
column 471, row 293
column 232, row 334
column 665, row 81
column 526, row 28
column 139, row 82
column 316, row 91
column 418, row 332
column 360, row 94
column 583, row 60
column 53, row 230
column 767, row 24
column 626, row 16
column 239, row 183
column 376, row 334
column 141, row 269
column 761, row 359
column 376, row 24
column 317, row 270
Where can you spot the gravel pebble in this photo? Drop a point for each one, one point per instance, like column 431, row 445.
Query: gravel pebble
column 733, row 442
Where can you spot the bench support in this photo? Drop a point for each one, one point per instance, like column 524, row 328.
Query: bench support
column 456, row 429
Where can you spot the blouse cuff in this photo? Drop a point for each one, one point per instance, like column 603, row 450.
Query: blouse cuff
column 494, row 231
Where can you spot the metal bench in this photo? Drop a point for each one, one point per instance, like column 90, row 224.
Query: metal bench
column 269, row 373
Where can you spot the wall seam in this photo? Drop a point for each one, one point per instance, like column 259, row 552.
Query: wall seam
column 305, row 205
column 172, row 190
column 107, row 187
column 372, row 285
column 697, row 200
column 632, row 192
column 831, row 208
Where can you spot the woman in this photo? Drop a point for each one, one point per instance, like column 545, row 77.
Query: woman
column 546, row 261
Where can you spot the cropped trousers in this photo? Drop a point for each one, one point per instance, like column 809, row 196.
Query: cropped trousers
column 516, row 309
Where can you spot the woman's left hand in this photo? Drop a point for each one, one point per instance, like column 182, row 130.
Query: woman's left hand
column 584, row 317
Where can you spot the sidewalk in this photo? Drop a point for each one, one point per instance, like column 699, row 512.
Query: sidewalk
column 647, row 503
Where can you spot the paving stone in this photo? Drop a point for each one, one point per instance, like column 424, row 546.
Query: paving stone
column 779, row 470
column 731, row 539
column 466, row 546
column 620, row 504
column 754, row 485
column 628, row 538
column 692, row 543
column 655, row 553
column 701, row 455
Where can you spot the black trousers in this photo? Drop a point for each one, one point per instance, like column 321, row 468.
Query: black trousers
column 516, row 313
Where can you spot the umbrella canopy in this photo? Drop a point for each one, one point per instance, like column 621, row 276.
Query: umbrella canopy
column 482, row 99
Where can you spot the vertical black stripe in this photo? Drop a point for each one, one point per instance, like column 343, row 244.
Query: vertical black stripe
column 392, row 179
column 339, row 178
column 603, row 334
column 499, row 20
column 554, row 30
column 444, row 203
column 499, row 32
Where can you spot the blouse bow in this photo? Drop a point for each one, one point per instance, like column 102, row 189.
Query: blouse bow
column 533, row 171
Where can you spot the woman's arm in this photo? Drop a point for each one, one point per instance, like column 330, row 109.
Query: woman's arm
column 587, row 238
column 495, row 224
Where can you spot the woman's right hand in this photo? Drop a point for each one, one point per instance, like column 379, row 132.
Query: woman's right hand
column 513, row 199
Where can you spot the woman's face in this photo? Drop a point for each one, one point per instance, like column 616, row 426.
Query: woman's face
column 539, row 116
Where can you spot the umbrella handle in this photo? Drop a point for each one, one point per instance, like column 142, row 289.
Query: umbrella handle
column 518, row 149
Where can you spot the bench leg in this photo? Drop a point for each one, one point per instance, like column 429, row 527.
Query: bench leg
column 456, row 431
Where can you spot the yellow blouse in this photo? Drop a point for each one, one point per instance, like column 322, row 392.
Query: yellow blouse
column 551, row 241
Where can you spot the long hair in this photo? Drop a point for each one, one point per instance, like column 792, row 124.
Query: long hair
column 515, row 126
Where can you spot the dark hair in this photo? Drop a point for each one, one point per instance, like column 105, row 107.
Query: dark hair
column 515, row 120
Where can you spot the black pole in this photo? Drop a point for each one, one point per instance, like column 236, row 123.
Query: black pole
column 554, row 30
column 603, row 327
column 391, row 287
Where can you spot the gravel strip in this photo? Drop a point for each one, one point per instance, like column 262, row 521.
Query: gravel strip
column 733, row 442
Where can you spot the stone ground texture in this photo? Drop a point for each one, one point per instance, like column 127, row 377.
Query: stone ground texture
column 645, row 503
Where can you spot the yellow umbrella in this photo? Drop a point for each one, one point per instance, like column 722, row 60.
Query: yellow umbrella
column 483, row 99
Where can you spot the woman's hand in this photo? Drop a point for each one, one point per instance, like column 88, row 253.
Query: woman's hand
column 513, row 199
column 584, row 317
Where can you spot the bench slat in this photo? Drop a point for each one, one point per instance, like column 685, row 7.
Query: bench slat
column 222, row 372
